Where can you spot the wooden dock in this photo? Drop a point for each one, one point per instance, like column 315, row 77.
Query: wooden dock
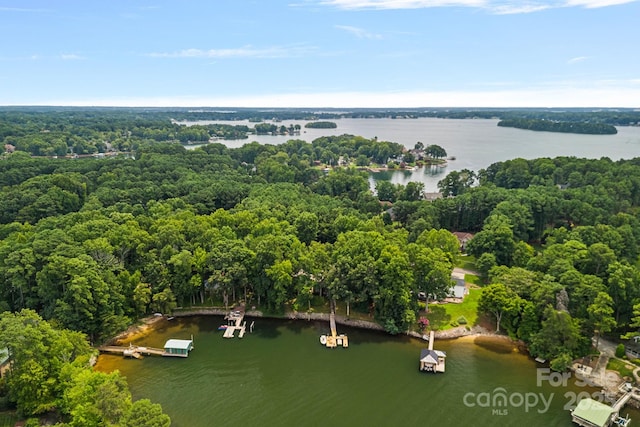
column 334, row 340
column 432, row 360
column 235, row 322
column 617, row 407
column 136, row 351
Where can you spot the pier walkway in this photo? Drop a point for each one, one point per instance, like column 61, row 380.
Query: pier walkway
column 334, row 340
column 134, row 351
column 617, row 407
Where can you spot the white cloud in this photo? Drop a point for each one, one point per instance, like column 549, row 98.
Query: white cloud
column 513, row 9
column 494, row 6
column 242, row 52
column 577, row 59
column 21, row 9
column 399, row 4
column 359, row 32
column 590, row 4
column 70, row 56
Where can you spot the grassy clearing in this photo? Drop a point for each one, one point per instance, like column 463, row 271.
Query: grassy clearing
column 625, row 369
column 8, row 419
column 471, row 278
column 468, row 262
column 445, row 316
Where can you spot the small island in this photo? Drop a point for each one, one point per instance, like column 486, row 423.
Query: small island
column 321, row 125
column 556, row 126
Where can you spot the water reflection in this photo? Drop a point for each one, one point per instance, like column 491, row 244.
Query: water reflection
column 428, row 175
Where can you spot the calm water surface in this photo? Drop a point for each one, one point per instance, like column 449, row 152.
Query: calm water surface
column 476, row 144
column 281, row 376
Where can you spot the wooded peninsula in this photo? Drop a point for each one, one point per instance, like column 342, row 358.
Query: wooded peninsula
column 558, row 126
column 106, row 218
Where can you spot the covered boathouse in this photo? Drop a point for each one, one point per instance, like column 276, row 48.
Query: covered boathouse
column 432, row 360
column 591, row 413
column 179, row 348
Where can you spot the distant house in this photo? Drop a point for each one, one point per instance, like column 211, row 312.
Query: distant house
column 430, row 197
column 9, row 148
column 463, row 238
column 174, row 347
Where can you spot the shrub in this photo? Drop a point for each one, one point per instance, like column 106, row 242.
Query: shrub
column 462, row 320
column 561, row 363
column 620, row 350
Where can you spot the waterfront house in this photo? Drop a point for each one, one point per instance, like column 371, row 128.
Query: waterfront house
column 180, row 348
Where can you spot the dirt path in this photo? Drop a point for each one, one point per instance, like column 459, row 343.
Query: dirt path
column 465, row 271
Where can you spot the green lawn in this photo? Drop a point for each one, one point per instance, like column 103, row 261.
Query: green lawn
column 468, row 262
column 625, row 369
column 8, row 419
column 443, row 316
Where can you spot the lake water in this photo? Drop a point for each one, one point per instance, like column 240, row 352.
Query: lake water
column 475, row 144
column 281, row 375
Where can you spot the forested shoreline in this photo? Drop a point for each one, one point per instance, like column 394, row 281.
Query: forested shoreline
column 92, row 244
column 543, row 125
column 69, row 131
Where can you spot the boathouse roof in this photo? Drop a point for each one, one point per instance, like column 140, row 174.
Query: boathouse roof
column 431, row 356
column 593, row 412
column 178, row 344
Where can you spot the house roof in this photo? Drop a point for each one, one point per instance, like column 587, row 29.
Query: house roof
column 431, row 356
column 458, row 291
column 593, row 411
column 462, row 236
column 179, row 344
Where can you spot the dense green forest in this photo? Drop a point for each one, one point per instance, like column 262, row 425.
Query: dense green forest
column 89, row 245
column 560, row 126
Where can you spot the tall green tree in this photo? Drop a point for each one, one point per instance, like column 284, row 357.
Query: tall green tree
column 499, row 300
column 601, row 315
column 38, row 353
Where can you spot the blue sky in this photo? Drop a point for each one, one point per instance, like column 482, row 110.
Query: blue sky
column 321, row 53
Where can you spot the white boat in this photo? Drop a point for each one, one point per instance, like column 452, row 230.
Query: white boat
column 323, row 339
